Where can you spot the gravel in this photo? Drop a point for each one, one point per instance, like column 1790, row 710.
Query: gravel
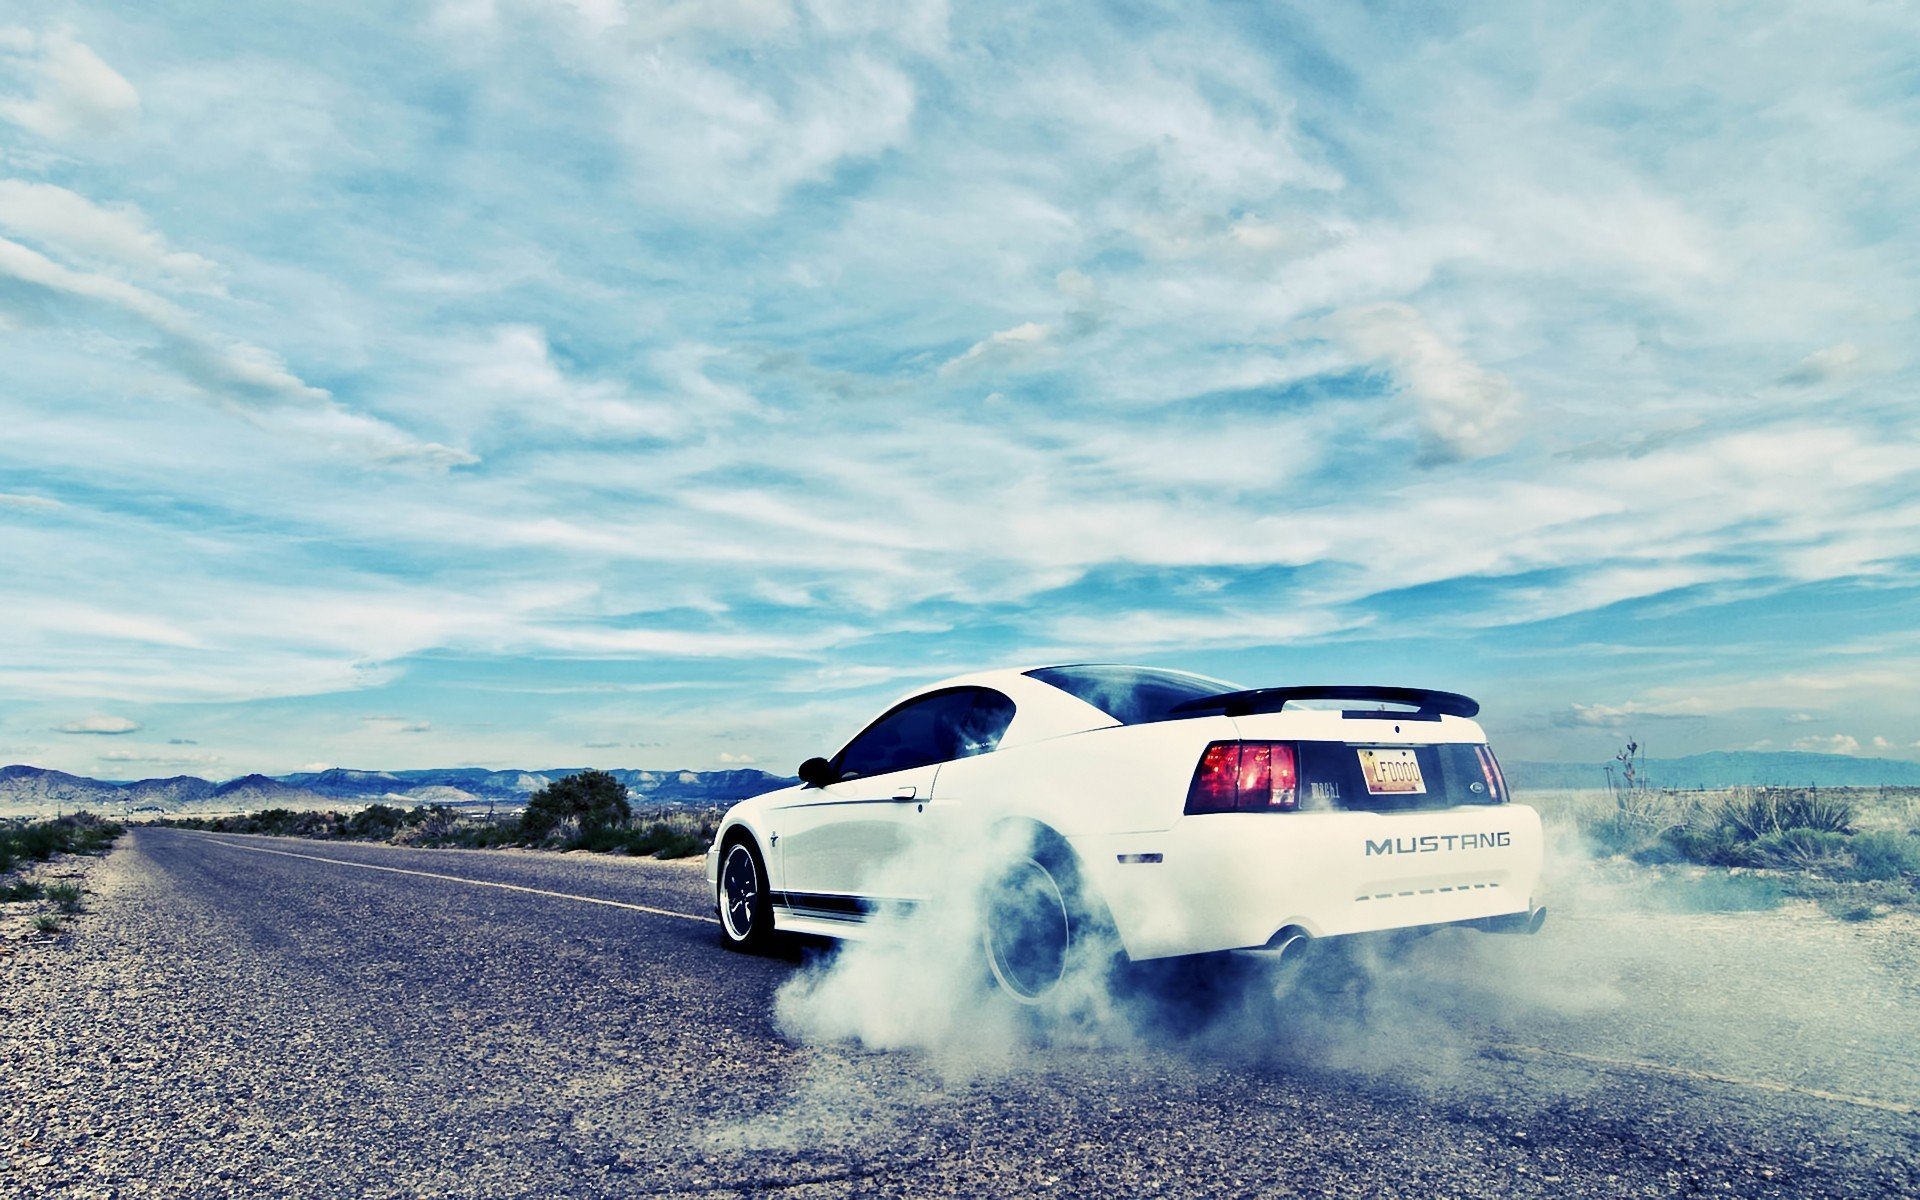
column 228, row 1022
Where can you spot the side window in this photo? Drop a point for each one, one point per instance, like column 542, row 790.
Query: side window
column 983, row 724
column 946, row 725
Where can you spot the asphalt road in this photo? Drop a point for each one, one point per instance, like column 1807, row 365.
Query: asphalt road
column 239, row 1016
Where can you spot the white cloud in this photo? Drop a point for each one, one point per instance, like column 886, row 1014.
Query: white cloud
column 392, row 724
column 723, row 109
column 255, row 380
column 100, row 724
column 1160, row 113
column 30, row 503
column 513, row 369
column 1465, row 410
column 722, row 21
column 703, row 140
column 94, row 624
column 71, row 92
column 1823, row 366
column 1076, row 637
column 1616, row 717
column 738, row 760
column 160, row 760
column 1835, row 743
column 1007, row 346
column 113, row 234
column 1893, row 679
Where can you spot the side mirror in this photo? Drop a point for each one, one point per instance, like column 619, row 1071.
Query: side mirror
column 818, row 772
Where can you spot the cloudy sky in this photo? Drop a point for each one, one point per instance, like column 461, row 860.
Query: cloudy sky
column 531, row 383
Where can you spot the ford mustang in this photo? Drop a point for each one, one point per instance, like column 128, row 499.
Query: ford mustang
column 1177, row 814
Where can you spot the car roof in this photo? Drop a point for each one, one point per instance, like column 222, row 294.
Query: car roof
column 1041, row 710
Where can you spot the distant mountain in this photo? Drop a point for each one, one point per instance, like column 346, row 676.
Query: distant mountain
column 1727, row 768
column 28, row 791
column 339, row 782
column 34, row 789
column 251, row 792
column 169, row 792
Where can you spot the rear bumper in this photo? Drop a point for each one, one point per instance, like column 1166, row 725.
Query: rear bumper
column 1229, row 881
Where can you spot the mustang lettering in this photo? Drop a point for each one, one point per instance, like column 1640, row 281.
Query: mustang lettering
column 1431, row 843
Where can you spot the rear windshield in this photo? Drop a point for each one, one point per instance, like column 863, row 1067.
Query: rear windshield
column 1132, row 695
column 1333, row 775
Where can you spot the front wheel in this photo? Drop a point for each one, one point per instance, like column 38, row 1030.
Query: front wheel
column 746, row 910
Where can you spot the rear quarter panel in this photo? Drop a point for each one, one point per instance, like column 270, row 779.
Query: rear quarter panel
column 1120, row 779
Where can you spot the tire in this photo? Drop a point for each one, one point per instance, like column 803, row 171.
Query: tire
column 1034, row 926
column 746, row 908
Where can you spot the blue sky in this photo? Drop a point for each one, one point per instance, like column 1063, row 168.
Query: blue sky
column 519, row 383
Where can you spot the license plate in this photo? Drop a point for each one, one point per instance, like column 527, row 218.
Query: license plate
column 1392, row 772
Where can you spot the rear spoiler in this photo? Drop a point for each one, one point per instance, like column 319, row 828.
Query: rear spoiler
column 1270, row 700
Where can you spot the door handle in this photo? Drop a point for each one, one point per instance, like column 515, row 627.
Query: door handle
column 904, row 792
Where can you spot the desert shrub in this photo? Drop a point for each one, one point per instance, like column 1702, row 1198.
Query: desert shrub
column 1754, row 814
column 1634, row 823
column 483, row 835
column 273, row 822
column 376, row 822
column 1883, row 855
column 20, row 890
column 65, row 897
column 658, row 839
column 82, row 833
column 1614, row 832
column 584, row 804
column 279, row 821
column 38, row 842
column 47, row 923
column 1798, row 829
column 435, row 821
column 675, row 844
column 602, row 841
column 1713, row 845
column 1818, row 850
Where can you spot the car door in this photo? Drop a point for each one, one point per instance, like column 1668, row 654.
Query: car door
column 840, row 845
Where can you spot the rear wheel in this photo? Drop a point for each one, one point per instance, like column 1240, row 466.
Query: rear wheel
column 746, row 909
column 1037, row 927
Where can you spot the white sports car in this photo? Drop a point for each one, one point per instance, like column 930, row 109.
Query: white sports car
column 1181, row 814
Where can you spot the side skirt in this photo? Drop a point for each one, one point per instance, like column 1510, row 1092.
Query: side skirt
column 840, row 910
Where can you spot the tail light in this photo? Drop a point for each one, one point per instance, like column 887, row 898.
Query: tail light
column 1490, row 767
column 1245, row 777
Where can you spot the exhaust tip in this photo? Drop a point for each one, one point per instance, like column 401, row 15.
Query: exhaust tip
column 1285, row 946
column 1528, row 922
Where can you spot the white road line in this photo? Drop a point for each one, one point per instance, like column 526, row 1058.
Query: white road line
column 1764, row 1085
column 505, row 887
